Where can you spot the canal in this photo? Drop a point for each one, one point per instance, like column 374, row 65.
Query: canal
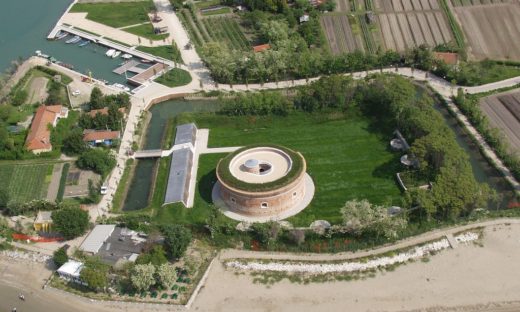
column 140, row 187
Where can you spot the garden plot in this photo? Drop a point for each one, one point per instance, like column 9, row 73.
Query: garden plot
column 408, row 23
column 343, row 5
column 340, row 34
column 477, row 2
column 492, row 30
column 503, row 112
column 25, row 182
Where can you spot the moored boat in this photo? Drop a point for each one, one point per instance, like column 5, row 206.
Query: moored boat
column 110, row 52
column 83, row 43
column 74, row 39
column 121, row 86
column 40, row 54
column 116, row 54
column 127, row 56
column 69, row 66
column 60, row 35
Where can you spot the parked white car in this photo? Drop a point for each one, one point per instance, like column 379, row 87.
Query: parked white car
column 76, row 92
column 104, row 190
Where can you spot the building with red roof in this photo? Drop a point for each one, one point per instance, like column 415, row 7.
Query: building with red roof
column 448, row 57
column 262, row 47
column 105, row 137
column 39, row 138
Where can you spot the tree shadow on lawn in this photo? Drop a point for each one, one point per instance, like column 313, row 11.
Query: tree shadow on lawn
column 206, row 185
column 389, row 169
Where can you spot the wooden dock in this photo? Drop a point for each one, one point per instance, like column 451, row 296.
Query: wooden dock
column 126, row 67
column 149, row 73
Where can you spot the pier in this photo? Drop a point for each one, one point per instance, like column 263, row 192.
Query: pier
column 149, row 73
column 130, row 66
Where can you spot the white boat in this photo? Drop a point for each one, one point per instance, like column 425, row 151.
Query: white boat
column 127, row 56
column 60, row 35
column 116, row 54
column 110, row 52
column 121, row 86
column 40, row 54
column 74, row 39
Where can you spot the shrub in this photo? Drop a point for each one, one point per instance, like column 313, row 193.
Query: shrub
column 60, row 257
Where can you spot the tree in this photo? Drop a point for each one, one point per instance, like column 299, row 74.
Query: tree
column 59, row 257
column 98, row 160
column 142, row 276
column 96, row 98
column 362, row 218
column 297, row 236
column 73, row 143
column 166, row 275
column 71, row 222
column 94, row 273
column 176, row 240
column 155, row 256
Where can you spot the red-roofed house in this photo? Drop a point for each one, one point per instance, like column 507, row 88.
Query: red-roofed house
column 262, row 47
column 448, row 57
column 93, row 137
column 104, row 111
column 39, row 138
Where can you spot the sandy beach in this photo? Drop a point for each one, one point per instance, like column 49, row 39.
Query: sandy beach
column 468, row 278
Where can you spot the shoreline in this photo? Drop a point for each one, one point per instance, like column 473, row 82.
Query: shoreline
column 415, row 286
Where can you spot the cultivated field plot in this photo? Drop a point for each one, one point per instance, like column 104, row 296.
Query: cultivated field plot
column 476, row 2
column 225, row 30
column 503, row 112
column 343, row 6
column 340, row 34
column 408, row 23
column 24, row 183
column 492, row 30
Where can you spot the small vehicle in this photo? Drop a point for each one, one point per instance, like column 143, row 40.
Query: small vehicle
column 76, row 92
column 104, row 190
column 21, row 297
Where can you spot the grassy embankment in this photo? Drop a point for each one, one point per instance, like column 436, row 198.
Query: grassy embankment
column 175, row 78
column 117, row 14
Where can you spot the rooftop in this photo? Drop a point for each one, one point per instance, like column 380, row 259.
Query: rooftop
column 43, row 217
column 179, row 176
column 122, row 244
column 71, row 268
column 185, row 133
column 262, row 47
column 93, row 135
column 97, row 237
column 260, row 165
column 40, row 135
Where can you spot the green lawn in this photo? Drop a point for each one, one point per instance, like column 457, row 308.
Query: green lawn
column 25, row 182
column 175, row 78
column 345, row 157
column 116, row 14
column 146, row 31
column 169, row 52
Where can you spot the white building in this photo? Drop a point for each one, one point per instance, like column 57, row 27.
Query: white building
column 70, row 271
column 96, row 238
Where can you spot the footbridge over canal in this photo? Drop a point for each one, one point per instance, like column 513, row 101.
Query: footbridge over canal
column 158, row 153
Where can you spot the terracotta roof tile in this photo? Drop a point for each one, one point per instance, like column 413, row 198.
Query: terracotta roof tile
column 39, row 135
column 90, row 135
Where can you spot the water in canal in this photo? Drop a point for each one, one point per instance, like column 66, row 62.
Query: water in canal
column 25, row 26
column 139, row 190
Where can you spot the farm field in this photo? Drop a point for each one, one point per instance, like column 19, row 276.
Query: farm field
column 340, row 34
column 408, row 23
column 223, row 29
column 349, row 160
column 25, row 182
column 491, row 30
column 477, row 2
column 503, row 111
